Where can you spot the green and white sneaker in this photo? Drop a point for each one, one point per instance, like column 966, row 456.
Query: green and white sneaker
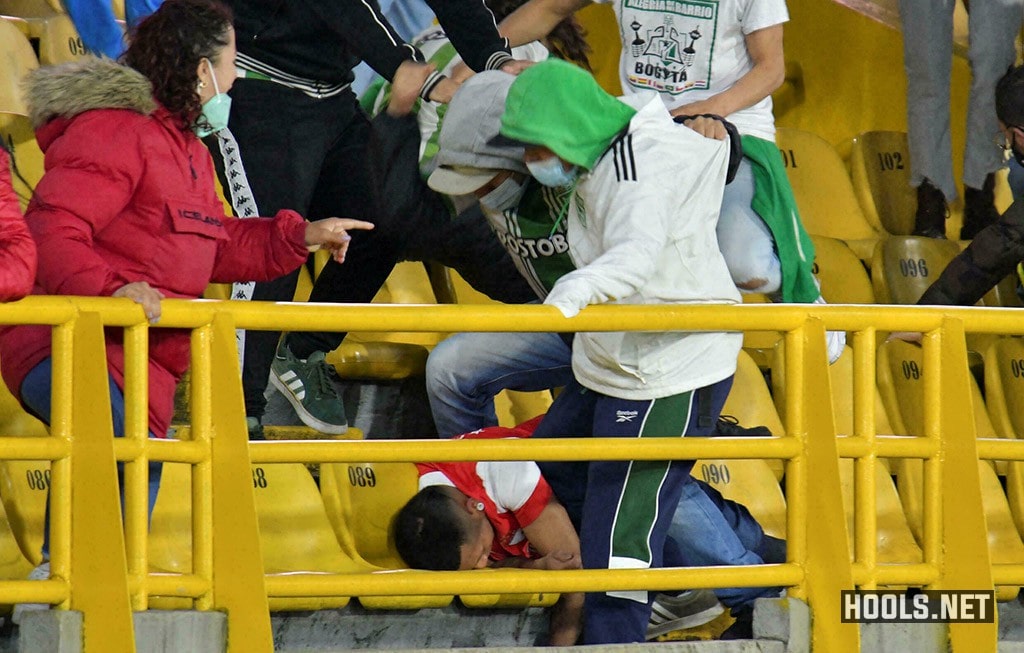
column 307, row 385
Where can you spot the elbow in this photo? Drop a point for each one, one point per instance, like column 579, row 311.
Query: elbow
column 775, row 76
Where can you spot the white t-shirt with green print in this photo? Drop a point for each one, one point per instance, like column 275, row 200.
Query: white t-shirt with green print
column 689, row 50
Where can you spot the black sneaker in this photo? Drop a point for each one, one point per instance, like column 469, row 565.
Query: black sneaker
column 743, row 627
column 930, row 219
column 979, row 208
column 729, row 426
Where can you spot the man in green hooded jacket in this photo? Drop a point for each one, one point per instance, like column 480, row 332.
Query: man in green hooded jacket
column 640, row 197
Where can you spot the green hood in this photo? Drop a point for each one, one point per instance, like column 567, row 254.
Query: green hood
column 560, row 106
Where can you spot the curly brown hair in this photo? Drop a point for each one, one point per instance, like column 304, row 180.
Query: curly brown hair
column 167, row 47
column 566, row 41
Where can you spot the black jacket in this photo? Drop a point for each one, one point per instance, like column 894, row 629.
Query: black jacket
column 324, row 39
column 423, row 223
column 992, row 255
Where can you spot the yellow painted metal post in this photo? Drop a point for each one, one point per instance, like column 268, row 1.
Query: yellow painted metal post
column 99, row 579
column 238, row 581
column 966, row 564
column 865, row 504
column 202, row 434
column 136, row 472
column 60, row 479
column 827, row 565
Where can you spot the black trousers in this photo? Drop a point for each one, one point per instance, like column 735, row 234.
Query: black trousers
column 310, row 155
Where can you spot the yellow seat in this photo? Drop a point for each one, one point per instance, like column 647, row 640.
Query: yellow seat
column 387, row 355
column 23, row 489
column 15, row 128
column 824, row 194
column 841, row 274
column 880, row 171
column 904, row 266
column 750, row 402
column 59, row 41
column 361, row 500
column 1004, row 369
column 895, row 540
column 295, row 533
column 31, row 8
column 900, row 374
column 24, row 484
column 751, row 483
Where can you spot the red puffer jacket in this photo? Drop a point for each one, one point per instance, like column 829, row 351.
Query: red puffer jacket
column 129, row 196
column 17, row 250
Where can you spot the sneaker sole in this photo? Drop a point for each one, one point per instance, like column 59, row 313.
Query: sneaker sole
column 307, row 418
column 689, row 621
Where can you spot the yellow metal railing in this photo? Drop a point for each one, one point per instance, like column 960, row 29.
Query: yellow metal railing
column 89, row 549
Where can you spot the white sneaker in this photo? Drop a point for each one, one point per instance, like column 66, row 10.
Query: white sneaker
column 835, row 341
column 42, row 572
column 688, row 609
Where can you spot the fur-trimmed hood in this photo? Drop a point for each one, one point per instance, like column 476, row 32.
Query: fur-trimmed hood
column 66, row 90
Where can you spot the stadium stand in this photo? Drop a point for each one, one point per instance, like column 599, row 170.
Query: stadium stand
column 1004, row 399
column 18, row 59
column 295, row 533
column 824, row 194
column 904, row 266
column 841, row 274
column 880, row 171
column 900, row 373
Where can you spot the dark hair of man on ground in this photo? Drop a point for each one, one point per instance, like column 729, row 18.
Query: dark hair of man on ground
column 429, row 531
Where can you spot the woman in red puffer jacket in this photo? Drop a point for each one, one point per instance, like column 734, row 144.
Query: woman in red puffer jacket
column 17, row 251
column 127, row 206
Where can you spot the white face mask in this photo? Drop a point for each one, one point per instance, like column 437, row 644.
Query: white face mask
column 551, row 172
column 504, row 196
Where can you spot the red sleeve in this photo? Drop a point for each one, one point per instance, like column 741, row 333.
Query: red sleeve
column 261, row 249
column 96, row 159
column 17, row 249
column 535, row 505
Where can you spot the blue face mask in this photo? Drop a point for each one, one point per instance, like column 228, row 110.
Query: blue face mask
column 551, row 172
column 216, row 110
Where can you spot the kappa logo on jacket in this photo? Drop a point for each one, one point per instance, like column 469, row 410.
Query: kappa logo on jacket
column 622, row 416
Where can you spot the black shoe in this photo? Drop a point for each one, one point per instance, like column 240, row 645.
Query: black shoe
column 729, row 426
column 743, row 627
column 979, row 208
column 930, row 219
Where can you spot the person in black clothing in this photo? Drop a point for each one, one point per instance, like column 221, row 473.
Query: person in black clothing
column 303, row 139
column 997, row 249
